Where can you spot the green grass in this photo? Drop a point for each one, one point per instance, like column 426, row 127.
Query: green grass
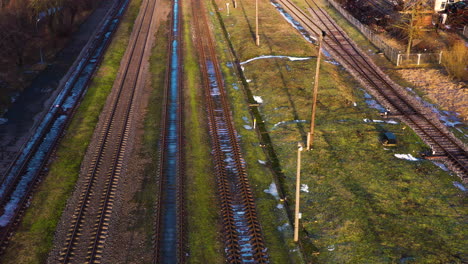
column 364, row 205
column 280, row 244
column 203, row 223
column 34, row 238
column 371, row 206
column 389, row 68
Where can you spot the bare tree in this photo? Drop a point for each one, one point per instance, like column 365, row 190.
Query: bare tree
column 14, row 38
column 411, row 21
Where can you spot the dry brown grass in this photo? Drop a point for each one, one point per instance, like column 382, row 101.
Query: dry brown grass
column 455, row 61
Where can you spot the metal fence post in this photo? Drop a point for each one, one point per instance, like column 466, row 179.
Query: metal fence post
column 398, row 60
column 440, row 57
column 419, row 58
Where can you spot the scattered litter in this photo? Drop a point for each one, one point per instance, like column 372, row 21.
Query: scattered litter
column 277, row 57
column 459, row 186
column 289, row 122
column 354, row 103
column 248, row 80
column 234, row 85
column 247, row 127
column 246, row 119
column 441, row 165
column 258, row 99
column 332, row 62
column 373, row 104
column 449, row 118
column 229, row 64
column 3, row 121
column 326, row 53
column 280, row 206
column 272, row 190
column 393, row 122
column 294, row 23
column 242, row 68
column 263, row 162
column 406, row 157
column 331, row 247
column 305, row 188
column 283, row 227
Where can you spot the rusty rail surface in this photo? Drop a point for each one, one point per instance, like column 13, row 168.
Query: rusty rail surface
column 243, row 237
column 107, row 161
column 395, row 98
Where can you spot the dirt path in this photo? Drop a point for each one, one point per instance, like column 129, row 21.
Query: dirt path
column 449, row 95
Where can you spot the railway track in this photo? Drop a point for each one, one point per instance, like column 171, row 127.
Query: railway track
column 243, row 238
column 27, row 169
column 89, row 225
column 395, row 98
column 169, row 238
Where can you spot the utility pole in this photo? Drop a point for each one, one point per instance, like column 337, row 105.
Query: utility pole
column 257, row 37
column 310, row 135
column 297, row 215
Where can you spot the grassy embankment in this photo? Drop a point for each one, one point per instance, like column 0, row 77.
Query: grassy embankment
column 34, row 238
column 363, row 204
column 276, row 39
column 203, row 222
column 388, row 67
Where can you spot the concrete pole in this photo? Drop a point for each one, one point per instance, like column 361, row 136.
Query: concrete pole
column 310, row 135
column 298, row 193
column 257, row 37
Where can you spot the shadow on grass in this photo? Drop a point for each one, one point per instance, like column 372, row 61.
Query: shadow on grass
column 252, row 33
column 300, row 126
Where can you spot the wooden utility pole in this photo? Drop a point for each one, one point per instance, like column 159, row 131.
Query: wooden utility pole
column 257, row 37
column 310, row 135
column 298, row 193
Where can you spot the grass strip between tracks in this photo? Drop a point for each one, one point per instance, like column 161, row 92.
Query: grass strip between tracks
column 279, row 40
column 204, row 237
column 360, row 203
column 34, row 238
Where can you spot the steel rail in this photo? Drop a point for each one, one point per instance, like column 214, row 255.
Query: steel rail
column 97, row 160
column 391, row 96
column 423, row 123
column 234, row 190
column 163, row 161
column 7, row 231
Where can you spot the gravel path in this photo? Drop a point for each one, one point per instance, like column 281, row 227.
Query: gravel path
column 439, row 88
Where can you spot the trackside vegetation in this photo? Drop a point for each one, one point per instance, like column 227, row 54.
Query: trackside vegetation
column 203, row 220
column 360, row 201
column 34, row 238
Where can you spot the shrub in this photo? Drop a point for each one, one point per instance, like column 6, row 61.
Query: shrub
column 455, row 61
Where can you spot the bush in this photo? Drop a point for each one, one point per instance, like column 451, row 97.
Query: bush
column 455, row 61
